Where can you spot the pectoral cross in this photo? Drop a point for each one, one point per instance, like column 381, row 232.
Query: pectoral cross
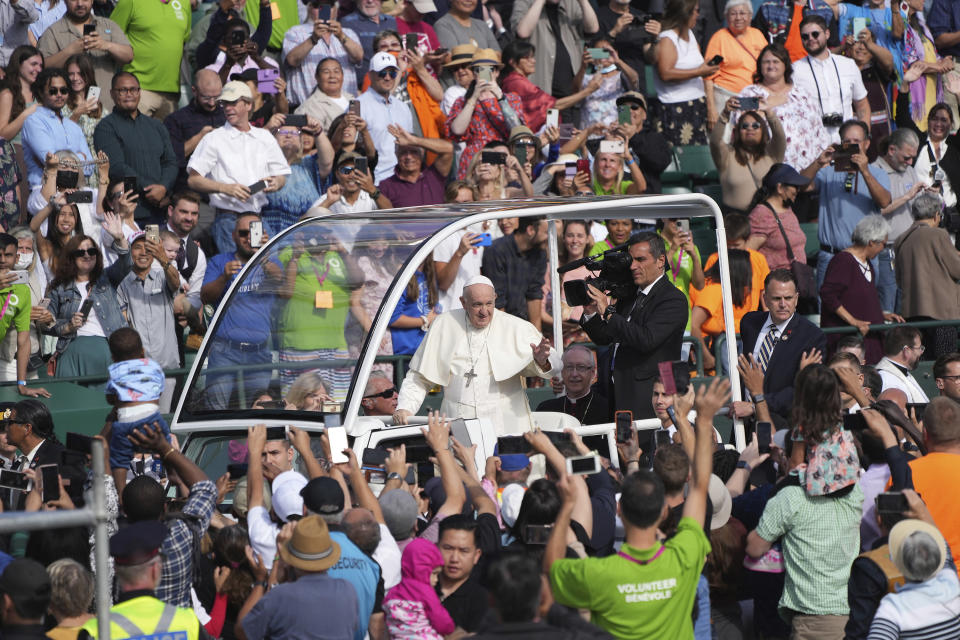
column 469, row 375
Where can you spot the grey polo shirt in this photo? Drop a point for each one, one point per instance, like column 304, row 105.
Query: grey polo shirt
column 148, row 304
column 900, row 183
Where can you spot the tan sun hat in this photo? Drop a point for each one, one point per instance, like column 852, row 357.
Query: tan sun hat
column 486, row 56
column 311, row 548
column 461, row 54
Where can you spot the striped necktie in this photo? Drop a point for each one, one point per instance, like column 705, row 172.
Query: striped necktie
column 766, row 349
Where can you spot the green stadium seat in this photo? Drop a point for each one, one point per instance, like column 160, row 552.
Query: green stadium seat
column 813, row 241
column 696, row 161
column 712, row 190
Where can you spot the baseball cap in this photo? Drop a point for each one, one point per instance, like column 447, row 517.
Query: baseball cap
column 399, row 512
column 632, row 96
column 902, row 531
column 514, row 461
column 381, row 61
column 286, row 494
column 349, row 156
column 137, row 543
column 27, row 584
column 424, row 6
column 235, row 90
column 323, row 496
column 510, row 502
column 782, row 173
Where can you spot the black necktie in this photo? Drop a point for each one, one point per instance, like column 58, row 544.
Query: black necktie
column 181, row 255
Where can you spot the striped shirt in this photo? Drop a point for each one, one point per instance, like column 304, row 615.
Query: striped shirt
column 921, row 610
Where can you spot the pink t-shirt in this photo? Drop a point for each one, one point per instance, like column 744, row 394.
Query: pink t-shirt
column 762, row 223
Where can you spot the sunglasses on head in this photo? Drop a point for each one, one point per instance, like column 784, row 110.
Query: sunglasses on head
column 90, row 253
column 385, row 394
column 750, row 125
column 391, row 73
column 64, row 91
column 812, row 34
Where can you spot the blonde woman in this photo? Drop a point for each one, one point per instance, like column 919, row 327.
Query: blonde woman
column 491, row 177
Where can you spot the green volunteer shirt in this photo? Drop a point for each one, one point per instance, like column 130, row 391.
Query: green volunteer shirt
column 156, row 30
column 679, row 270
column 289, row 17
column 600, row 191
column 16, row 303
column 631, row 600
column 306, row 324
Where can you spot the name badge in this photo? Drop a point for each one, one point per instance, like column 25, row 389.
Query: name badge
column 275, row 10
column 323, row 300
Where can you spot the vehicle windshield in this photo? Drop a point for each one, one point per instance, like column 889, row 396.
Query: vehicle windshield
column 289, row 334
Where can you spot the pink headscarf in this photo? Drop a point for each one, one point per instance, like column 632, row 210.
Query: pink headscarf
column 419, row 559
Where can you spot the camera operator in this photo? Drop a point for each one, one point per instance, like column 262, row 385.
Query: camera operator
column 645, row 328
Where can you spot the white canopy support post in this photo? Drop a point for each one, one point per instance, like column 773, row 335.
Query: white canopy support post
column 555, row 309
column 733, row 373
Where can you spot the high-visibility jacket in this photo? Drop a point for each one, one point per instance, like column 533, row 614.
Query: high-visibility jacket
column 148, row 616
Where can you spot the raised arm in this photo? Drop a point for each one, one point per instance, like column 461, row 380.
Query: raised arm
column 708, row 402
column 437, row 434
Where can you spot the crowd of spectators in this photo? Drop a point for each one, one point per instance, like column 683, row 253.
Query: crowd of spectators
column 149, row 148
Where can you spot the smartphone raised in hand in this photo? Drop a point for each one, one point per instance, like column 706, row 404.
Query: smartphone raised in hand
column 764, row 436
column 50, row 474
column 624, row 422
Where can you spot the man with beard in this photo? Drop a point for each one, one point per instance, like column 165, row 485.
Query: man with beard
column 107, row 46
column 286, row 206
column 188, row 126
column 902, row 349
column 182, row 217
column 414, row 183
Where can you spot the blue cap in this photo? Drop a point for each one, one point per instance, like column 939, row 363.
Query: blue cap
column 781, row 173
column 514, row 462
column 137, row 543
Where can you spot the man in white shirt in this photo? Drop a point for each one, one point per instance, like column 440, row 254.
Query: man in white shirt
column 306, row 45
column 232, row 159
column 902, row 349
column 834, row 81
column 379, row 109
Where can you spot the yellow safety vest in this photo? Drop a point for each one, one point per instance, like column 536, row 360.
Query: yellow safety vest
column 148, row 616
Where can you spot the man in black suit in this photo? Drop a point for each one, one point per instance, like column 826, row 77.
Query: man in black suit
column 579, row 400
column 644, row 329
column 778, row 340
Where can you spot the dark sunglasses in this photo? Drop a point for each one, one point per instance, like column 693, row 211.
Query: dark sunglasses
column 345, row 171
column 92, row 252
column 812, row 34
column 459, row 67
column 64, row 91
column 392, row 73
column 636, row 107
column 750, row 125
column 243, row 233
column 386, row 394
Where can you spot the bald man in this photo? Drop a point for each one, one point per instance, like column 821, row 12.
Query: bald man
column 479, row 355
column 579, row 399
column 188, row 126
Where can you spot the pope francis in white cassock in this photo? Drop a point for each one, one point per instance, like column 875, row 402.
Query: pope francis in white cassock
column 480, row 356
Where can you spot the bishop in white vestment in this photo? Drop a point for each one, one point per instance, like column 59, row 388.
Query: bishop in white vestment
column 480, row 356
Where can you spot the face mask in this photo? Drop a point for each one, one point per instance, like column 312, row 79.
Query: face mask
column 788, row 203
column 24, row 260
column 608, row 68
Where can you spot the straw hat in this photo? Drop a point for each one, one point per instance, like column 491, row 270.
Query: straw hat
column 461, row 54
column 486, row 56
column 311, row 548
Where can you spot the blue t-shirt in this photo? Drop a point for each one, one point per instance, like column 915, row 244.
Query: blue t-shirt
column 248, row 317
column 880, row 24
column 302, row 189
column 406, row 341
column 362, row 572
column 139, row 380
column 840, row 209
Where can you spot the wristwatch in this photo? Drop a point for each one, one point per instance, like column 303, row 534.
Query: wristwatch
column 376, row 194
column 743, row 464
column 758, row 398
column 393, row 475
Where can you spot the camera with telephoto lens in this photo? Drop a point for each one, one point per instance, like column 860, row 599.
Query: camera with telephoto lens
column 614, row 278
column 832, row 120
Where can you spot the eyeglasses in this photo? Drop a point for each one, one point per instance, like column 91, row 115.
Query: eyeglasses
column 920, row 348
column 287, row 132
column 391, row 73
column 64, row 91
column 345, row 171
column 127, row 90
column 92, row 252
column 750, row 125
column 954, row 378
column 812, row 35
column 579, row 368
column 385, row 394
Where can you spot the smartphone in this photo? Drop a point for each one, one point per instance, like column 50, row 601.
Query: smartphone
column 919, row 407
column 13, row 479
column 666, row 377
column 130, row 184
column 361, row 164
column 583, row 465
column 512, row 444
column 67, row 179
column 89, row 29
column 570, row 169
column 891, row 507
column 493, row 157
column 411, row 41
column 662, row 437
column 257, row 187
column 276, row 433
column 354, row 108
column 22, row 277
column 73, row 459
column 843, row 157
column 79, row 442
column 854, row 422
column 298, row 120
column 325, row 12
column 764, row 436
column 458, row 429
column 237, row 37
column 598, row 54
column 483, row 240
column 624, row 422
column 237, row 470
column 411, row 477
column 566, row 132
column 485, row 73
column 859, row 24
column 715, row 60
column 152, row 231
column 338, row 442
column 256, row 233
column 45, row 303
column 440, row 50
column 557, row 437
column 375, row 457
column 553, row 117
column 684, row 225
column 83, row 196
column 538, row 534
column 51, row 481
column 583, row 165
column 265, row 78
column 749, row 104
column 85, row 308
column 623, row 113
column 93, row 93
column 611, row 146
column 520, row 151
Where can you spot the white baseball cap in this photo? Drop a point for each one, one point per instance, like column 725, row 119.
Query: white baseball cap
column 381, row 61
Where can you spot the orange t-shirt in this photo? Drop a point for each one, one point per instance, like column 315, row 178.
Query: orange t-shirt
column 793, row 44
column 739, row 57
column 710, row 299
column 758, row 262
column 936, row 477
